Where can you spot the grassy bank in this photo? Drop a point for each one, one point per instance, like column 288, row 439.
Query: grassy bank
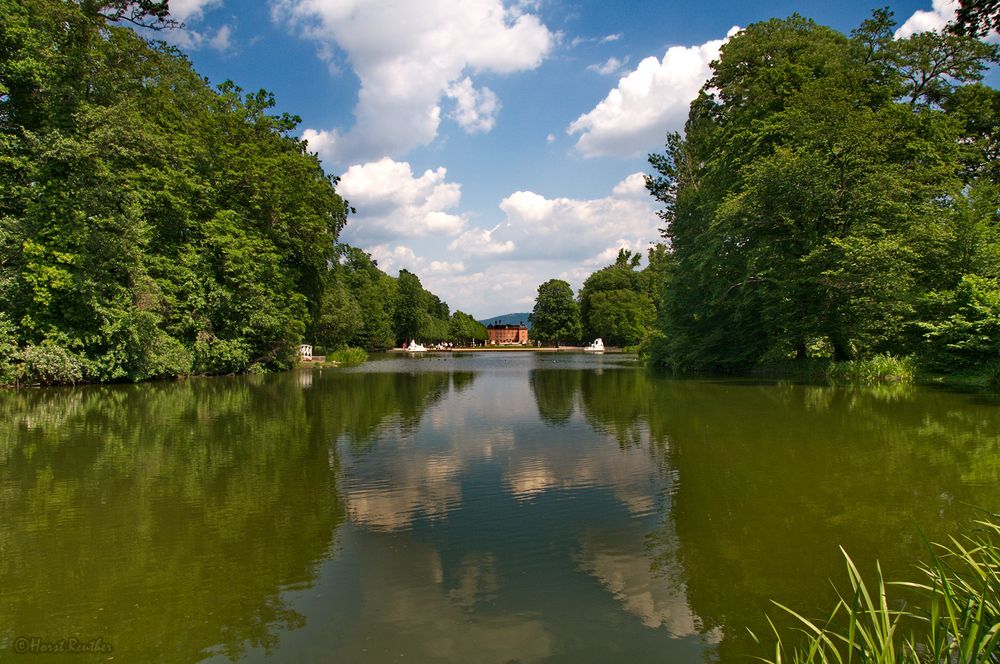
column 879, row 369
column 955, row 618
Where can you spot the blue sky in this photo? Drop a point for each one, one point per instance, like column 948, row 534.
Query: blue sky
column 489, row 145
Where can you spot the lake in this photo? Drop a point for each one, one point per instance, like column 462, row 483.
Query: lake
column 495, row 507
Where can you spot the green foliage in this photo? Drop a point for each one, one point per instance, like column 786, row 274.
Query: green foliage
column 617, row 302
column 8, row 350
column 220, row 356
column 993, row 375
column 556, row 315
column 165, row 357
column 621, row 317
column 977, row 17
column 823, row 186
column 409, row 308
column 348, row 356
column 339, row 317
column 50, row 363
column 879, row 368
column 159, row 225
column 965, row 330
column 957, row 621
column 464, row 329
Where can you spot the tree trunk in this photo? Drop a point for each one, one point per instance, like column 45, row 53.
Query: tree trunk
column 841, row 348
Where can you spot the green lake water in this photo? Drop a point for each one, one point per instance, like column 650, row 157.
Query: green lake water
column 465, row 508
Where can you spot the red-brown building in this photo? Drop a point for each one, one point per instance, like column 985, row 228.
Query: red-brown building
column 502, row 333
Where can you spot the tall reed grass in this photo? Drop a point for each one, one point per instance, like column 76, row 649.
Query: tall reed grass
column 993, row 376
column 349, row 355
column 957, row 620
column 881, row 368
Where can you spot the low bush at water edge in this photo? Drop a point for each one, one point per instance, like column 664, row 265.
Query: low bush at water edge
column 349, row 355
column 876, row 369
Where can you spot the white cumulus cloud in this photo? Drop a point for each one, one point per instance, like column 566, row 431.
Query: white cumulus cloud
column 393, row 259
column 222, row 39
column 445, row 267
column 545, row 238
column 321, row 142
column 576, row 230
column 941, row 13
column 475, row 110
column 393, row 203
column 184, row 10
column 486, row 271
column 190, row 13
column 647, row 102
column 409, row 55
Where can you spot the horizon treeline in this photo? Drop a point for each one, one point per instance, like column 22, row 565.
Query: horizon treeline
column 834, row 197
column 152, row 225
column 619, row 303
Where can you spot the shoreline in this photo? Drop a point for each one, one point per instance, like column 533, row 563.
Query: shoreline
column 511, row 349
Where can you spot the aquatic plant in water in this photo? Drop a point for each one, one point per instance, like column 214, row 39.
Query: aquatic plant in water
column 957, row 620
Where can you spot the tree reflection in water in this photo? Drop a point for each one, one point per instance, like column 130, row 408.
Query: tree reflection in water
column 170, row 517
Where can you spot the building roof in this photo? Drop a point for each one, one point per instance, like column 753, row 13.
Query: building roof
column 506, row 326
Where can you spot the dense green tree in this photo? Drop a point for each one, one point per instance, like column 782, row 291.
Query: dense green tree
column 556, row 314
column 409, row 308
column 339, row 318
column 616, row 303
column 656, row 275
column 375, row 293
column 813, row 194
column 464, row 329
column 977, row 108
column 965, row 332
column 150, row 225
column 977, row 17
column 621, row 317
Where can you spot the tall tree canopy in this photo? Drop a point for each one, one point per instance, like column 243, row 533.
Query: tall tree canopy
column 616, row 302
column 556, row 315
column 151, row 225
column 817, row 190
column 977, row 17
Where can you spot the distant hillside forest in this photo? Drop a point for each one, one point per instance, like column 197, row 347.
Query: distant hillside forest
column 832, row 198
column 154, row 226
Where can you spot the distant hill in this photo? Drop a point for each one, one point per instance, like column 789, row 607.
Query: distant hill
column 509, row 319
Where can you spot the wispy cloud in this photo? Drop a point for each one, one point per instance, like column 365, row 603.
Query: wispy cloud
column 393, row 204
column 610, row 66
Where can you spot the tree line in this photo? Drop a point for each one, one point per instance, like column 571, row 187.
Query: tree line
column 832, row 197
column 366, row 308
column 619, row 303
column 152, row 225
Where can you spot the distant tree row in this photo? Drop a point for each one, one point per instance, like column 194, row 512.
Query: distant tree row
column 618, row 303
column 364, row 307
column 834, row 196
